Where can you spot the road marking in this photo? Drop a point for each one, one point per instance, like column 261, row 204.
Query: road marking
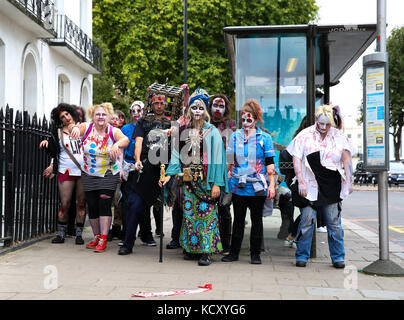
column 399, row 229
column 372, row 236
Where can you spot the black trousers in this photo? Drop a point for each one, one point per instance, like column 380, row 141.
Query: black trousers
column 146, row 233
column 177, row 222
column 225, row 220
column 240, row 205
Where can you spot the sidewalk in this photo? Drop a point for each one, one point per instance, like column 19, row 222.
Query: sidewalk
column 83, row 275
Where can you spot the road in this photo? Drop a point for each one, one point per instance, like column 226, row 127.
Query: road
column 361, row 208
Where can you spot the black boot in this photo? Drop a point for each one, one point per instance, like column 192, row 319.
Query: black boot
column 230, row 258
column 255, row 258
column 79, row 233
column 60, row 238
column 204, row 260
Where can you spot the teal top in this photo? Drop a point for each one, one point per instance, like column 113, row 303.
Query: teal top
column 216, row 156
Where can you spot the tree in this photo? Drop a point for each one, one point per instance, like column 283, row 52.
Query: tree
column 144, row 38
column 395, row 49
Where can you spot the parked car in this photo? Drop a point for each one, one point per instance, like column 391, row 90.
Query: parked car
column 361, row 176
column 395, row 175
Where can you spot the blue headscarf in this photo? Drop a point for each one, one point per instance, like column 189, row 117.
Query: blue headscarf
column 200, row 94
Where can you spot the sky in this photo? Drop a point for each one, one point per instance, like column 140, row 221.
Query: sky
column 348, row 93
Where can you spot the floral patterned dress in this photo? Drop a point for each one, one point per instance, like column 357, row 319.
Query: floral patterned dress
column 200, row 230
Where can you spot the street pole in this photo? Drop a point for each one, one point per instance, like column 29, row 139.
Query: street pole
column 383, row 266
column 382, row 182
column 185, row 38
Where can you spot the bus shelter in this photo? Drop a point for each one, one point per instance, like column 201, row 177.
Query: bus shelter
column 289, row 69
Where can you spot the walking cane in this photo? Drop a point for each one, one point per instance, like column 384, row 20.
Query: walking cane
column 162, row 177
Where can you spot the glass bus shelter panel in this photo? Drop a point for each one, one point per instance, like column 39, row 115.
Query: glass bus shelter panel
column 272, row 70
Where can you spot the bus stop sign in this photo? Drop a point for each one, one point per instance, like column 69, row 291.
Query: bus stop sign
column 375, row 112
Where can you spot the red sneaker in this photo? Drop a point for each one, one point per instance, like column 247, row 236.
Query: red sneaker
column 102, row 243
column 93, row 243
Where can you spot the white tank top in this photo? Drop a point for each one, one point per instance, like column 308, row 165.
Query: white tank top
column 65, row 163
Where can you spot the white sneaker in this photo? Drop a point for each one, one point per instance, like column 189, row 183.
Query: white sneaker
column 288, row 243
column 322, row 229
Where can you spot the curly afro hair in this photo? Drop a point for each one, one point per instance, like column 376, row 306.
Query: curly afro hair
column 55, row 113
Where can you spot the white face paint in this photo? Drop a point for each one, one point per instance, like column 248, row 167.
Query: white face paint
column 218, row 108
column 136, row 112
column 197, row 109
column 248, row 120
column 323, row 124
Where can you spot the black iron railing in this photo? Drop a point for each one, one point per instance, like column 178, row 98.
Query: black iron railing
column 28, row 201
column 41, row 11
column 68, row 33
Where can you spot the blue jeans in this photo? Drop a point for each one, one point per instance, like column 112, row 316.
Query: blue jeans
column 332, row 218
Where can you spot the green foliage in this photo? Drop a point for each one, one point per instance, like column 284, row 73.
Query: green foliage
column 143, row 41
column 395, row 48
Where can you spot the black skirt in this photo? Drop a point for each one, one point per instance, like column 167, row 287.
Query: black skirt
column 108, row 182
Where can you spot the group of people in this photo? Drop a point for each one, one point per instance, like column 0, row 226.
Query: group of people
column 203, row 164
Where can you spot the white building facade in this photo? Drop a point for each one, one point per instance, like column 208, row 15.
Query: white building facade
column 47, row 55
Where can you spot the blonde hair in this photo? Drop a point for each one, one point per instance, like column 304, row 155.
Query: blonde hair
column 107, row 106
column 326, row 110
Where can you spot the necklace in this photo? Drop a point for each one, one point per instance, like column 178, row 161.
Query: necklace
column 194, row 140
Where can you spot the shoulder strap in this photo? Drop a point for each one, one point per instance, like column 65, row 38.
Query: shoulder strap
column 111, row 133
column 68, row 152
column 90, row 127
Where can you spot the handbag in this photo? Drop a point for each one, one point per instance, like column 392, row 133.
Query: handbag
column 297, row 199
column 268, row 207
column 225, row 199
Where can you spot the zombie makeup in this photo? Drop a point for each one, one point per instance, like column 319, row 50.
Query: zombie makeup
column 114, row 120
column 323, row 124
column 158, row 103
column 136, row 112
column 218, row 108
column 197, row 109
column 248, row 121
column 66, row 118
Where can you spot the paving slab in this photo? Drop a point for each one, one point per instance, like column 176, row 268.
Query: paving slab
column 85, row 275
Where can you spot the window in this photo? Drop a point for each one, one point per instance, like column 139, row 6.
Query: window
column 272, row 70
column 349, row 135
column 30, row 86
column 63, row 89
